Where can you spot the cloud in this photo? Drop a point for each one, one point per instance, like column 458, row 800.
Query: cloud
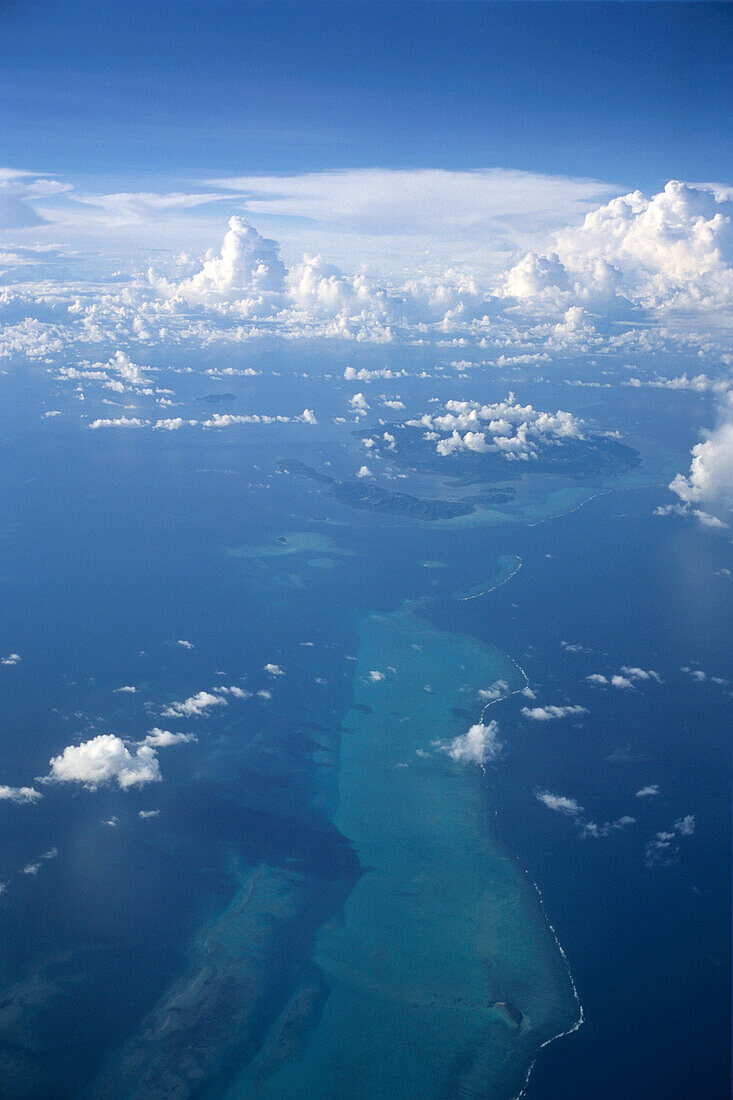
column 145, row 814
column 18, row 190
column 494, row 692
column 127, row 689
column 591, row 829
column 670, row 251
column 102, row 759
column 11, row 659
column 560, row 803
column 120, row 422
column 194, row 706
column 662, row 848
column 478, row 746
column 248, row 271
column 710, row 480
column 685, row 826
column 506, row 427
column 19, row 794
column 364, row 471
column 162, row 739
column 650, row 791
column 625, row 679
column 273, row 670
column 184, row 644
column 547, row 713
column 375, row 676
column 394, row 215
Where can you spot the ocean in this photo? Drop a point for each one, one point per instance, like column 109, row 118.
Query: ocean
column 321, row 901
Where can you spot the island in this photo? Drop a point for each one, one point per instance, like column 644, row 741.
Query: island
column 374, row 498
column 407, row 445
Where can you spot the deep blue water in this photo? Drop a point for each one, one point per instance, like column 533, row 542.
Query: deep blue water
column 113, row 546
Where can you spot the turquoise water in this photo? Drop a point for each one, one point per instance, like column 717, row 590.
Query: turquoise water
column 443, row 922
column 325, row 903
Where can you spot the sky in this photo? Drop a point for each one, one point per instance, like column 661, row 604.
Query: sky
column 631, row 93
column 534, row 180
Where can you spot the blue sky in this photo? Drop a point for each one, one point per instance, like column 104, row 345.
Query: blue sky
column 527, row 183
column 632, row 93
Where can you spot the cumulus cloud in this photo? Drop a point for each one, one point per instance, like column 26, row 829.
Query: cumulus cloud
column 194, row 706
column 662, row 848
column 11, row 659
column 273, row 669
column 506, row 427
column 19, row 794
column 478, row 745
column 375, row 676
column 248, row 271
column 710, row 479
column 103, row 759
column 162, row 739
column 119, row 422
column 548, row 713
column 628, row 676
column 560, row 803
column 650, row 791
column 494, row 692
column 670, row 251
column 184, row 644
column 586, row 828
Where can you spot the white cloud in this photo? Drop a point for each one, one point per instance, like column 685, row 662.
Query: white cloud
column 547, row 713
column 375, row 676
column 273, row 669
column 145, row 814
column 668, row 252
column 248, row 271
column 710, row 480
column 478, row 746
column 18, row 192
column 494, row 692
column 364, row 471
column 19, row 794
column 184, row 644
column 560, row 803
column 507, row 427
column 102, row 759
column 11, row 659
column 662, row 847
column 173, row 424
column 127, row 689
column 162, row 739
column 120, row 422
column 394, row 215
column 685, row 826
column 194, row 706
column 650, row 791
column 628, row 676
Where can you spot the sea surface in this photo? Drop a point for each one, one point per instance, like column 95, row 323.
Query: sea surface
column 322, row 902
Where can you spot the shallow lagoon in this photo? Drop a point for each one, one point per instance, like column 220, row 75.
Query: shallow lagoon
column 443, row 922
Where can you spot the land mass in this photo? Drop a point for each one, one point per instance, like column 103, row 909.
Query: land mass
column 374, row 498
column 594, row 456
